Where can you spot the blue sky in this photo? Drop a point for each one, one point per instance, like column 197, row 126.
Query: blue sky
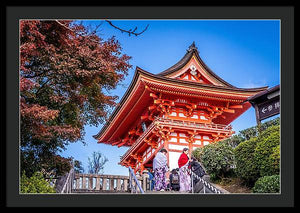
column 245, row 53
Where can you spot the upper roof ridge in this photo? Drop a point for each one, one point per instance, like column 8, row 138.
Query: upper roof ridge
column 192, row 47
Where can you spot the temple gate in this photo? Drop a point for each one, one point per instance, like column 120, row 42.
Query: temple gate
column 187, row 105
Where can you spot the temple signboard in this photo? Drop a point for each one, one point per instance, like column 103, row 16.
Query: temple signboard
column 266, row 103
column 269, row 108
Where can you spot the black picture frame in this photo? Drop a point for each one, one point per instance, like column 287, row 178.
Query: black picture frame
column 10, row 149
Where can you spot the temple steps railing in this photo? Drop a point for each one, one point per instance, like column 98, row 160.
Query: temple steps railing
column 96, row 183
column 204, row 186
column 100, row 183
column 135, row 186
column 63, row 184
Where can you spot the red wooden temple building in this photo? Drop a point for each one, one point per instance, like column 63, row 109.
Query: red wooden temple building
column 187, row 105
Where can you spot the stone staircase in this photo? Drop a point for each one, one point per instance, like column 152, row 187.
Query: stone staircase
column 87, row 191
column 95, row 183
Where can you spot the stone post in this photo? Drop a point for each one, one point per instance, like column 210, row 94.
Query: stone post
column 125, row 183
column 83, row 182
column 90, row 184
column 78, row 183
column 111, row 184
column 97, row 183
column 118, row 184
column 145, row 177
column 104, row 183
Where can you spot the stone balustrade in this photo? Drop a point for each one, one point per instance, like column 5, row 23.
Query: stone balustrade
column 95, row 183
column 102, row 183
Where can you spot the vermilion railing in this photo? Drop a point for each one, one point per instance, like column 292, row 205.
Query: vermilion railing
column 178, row 123
column 194, row 124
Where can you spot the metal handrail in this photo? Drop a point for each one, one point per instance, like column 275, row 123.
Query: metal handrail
column 132, row 187
column 205, row 184
column 64, row 183
column 68, row 185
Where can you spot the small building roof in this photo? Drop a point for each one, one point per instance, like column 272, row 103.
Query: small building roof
column 262, row 95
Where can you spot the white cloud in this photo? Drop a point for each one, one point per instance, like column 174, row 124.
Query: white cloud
column 254, row 84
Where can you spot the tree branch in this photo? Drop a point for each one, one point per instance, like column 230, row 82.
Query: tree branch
column 130, row 32
column 85, row 35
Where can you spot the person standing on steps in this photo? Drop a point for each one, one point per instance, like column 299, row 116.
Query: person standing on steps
column 174, row 180
column 184, row 173
column 197, row 169
column 151, row 179
column 160, row 168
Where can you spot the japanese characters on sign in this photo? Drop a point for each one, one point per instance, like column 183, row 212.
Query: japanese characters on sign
column 269, row 108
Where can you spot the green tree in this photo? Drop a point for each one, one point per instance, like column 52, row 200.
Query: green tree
column 78, row 168
column 251, row 132
column 217, row 158
column 234, row 140
column 35, row 184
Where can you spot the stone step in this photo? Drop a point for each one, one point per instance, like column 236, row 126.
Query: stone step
column 166, row 192
column 97, row 191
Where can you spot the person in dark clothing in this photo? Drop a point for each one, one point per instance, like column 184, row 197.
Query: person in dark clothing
column 197, row 169
column 151, row 179
column 174, row 180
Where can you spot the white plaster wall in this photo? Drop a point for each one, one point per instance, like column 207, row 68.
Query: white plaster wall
column 177, row 147
column 205, row 143
column 173, row 159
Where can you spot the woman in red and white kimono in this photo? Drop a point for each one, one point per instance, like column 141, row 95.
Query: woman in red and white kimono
column 184, row 174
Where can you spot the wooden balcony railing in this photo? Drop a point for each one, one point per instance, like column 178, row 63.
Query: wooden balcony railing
column 210, row 126
column 180, row 124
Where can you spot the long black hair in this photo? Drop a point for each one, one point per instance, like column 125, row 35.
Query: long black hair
column 163, row 150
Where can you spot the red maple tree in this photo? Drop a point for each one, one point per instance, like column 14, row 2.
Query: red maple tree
column 64, row 69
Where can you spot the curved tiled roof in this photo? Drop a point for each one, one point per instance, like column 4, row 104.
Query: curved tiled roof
column 139, row 71
column 163, row 77
column 192, row 50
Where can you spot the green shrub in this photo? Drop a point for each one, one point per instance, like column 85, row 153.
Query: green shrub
column 246, row 167
column 217, row 158
column 269, row 131
column 275, row 160
column 234, row 140
column 267, row 184
column 258, row 156
column 197, row 154
column 268, row 163
column 35, row 184
column 251, row 132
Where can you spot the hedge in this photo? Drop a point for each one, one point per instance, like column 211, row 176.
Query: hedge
column 267, row 161
column 246, row 167
column 267, row 184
